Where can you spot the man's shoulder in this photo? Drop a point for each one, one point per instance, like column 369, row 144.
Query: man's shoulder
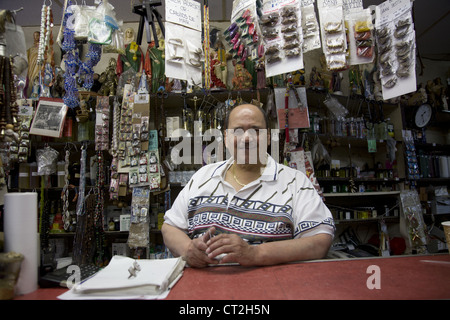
column 286, row 172
column 212, row 169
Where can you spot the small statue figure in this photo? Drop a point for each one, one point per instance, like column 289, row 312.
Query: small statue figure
column 242, row 78
column 217, row 76
column 109, row 79
column 315, row 79
column 298, row 78
column 133, row 57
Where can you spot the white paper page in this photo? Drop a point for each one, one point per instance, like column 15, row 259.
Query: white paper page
column 191, row 40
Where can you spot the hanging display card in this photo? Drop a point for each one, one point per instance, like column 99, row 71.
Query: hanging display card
column 298, row 116
column 310, row 26
column 281, row 27
column 332, row 29
column 357, row 41
column 396, row 44
column 183, row 46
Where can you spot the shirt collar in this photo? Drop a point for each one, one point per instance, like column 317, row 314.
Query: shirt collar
column 270, row 171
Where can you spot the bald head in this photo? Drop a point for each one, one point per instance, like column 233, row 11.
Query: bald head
column 239, row 110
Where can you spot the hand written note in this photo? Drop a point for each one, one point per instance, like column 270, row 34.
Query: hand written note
column 184, row 12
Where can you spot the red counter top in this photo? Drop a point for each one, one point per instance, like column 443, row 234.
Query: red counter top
column 398, row 277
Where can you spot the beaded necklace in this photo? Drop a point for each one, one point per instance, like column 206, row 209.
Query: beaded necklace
column 65, row 192
column 98, row 216
column 42, row 35
column 75, row 68
column 81, row 188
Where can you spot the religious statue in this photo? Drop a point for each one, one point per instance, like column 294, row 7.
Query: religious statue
column 155, row 67
column 298, row 77
column 109, row 79
column 133, row 57
column 242, row 78
column 218, row 71
column 33, row 67
column 315, row 79
column 436, row 91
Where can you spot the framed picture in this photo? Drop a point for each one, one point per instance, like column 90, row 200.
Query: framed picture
column 49, row 118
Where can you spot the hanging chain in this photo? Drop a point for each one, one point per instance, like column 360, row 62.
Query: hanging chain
column 65, row 195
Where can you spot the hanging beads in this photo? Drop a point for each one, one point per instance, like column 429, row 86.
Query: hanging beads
column 65, row 193
column 98, row 217
column 41, row 47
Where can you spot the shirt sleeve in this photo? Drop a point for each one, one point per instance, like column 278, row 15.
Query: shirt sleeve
column 311, row 215
column 177, row 215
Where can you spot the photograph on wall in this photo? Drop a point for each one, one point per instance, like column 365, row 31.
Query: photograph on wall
column 49, row 118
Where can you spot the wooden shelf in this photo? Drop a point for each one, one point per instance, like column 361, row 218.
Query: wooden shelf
column 388, row 219
column 361, row 194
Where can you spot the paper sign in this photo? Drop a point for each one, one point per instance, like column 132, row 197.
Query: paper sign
column 184, row 12
column 298, row 118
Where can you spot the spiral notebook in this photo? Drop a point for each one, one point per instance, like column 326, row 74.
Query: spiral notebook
column 151, row 280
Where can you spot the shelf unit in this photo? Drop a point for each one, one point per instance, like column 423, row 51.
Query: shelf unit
column 378, row 191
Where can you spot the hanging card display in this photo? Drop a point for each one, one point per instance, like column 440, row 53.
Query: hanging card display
column 281, row 28
column 361, row 37
column 396, row 44
column 244, row 35
column 310, row 26
column 334, row 42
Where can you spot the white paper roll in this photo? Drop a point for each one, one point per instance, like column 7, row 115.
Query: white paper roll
column 21, row 235
column 443, row 166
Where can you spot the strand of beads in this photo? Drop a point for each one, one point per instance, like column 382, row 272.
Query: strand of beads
column 71, row 57
column 65, row 193
column 71, row 62
column 98, row 218
column 87, row 69
column 41, row 47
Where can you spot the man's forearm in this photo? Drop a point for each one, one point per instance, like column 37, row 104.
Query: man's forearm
column 175, row 240
column 308, row 248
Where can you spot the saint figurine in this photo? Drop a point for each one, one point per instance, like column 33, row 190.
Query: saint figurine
column 133, row 57
column 33, row 67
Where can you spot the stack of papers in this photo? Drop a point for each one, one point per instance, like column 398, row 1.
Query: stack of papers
column 153, row 280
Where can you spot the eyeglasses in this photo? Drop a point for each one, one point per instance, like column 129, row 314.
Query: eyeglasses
column 250, row 131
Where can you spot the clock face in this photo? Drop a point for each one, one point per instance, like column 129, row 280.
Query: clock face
column 423, row 115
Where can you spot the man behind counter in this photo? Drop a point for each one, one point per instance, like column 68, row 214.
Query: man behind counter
column 251, row 212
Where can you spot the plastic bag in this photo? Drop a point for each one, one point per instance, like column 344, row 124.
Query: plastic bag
column 46, row 161
column 336, row 108
column 102, row 24
column 117, row 44
column 79, row 21
column 99, row 31
column 319, row 153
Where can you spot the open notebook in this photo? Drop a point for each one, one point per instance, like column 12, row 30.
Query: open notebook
column 152, row 281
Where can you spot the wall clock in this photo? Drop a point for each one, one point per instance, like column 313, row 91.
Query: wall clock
column 422, row 116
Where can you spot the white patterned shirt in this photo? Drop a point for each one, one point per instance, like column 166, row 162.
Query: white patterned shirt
column 281, row 204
